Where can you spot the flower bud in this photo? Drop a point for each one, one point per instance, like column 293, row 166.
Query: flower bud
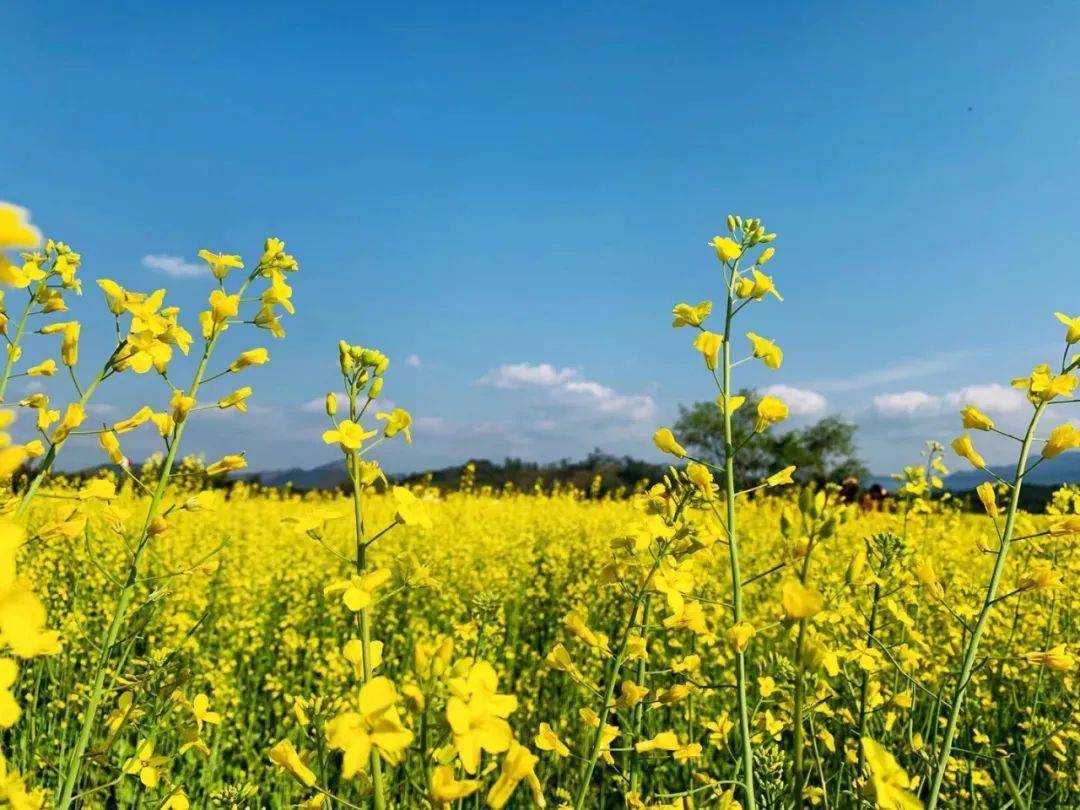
column 331, row 404
column 376, row 388
column 344, row 358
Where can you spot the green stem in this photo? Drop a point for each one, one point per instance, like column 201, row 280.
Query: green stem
column 988, row 602
column 736, row 577
column 15, row 343
column 364, row 618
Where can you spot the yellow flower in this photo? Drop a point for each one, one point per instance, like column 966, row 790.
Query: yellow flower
column 145, row 765
column 665, row 440
column 181, row 405
column 1068, row 525
column 1072, row 335
column 974, row 419
column 221, row 264
column 630, row 695
column 757, row 287
column 410, row 510
column 1040, row 577
column 358, row 592
column 397, row 421
column 144, row 312
column 278, row 293
column 1057, row 658
column 770, row 411
column 733, row 403
column 285, row 756
column 701, row 477
column 178, row 800
column 200, row 710
column 73, row 417
column 348, row 434
column 709, row 343
column 374, row 726
column 519, row 763
column 1062, row 438
column 924, row 572
column 798, row 601
column 766, row 685
column 727, row 249
column 46, row 368
column 1043, row 386
column 252, row 357
column 888, row 785
column 781, row 477
column 19, row 277
column 227, row 464
column 223, row 307
column 143, row 351
column 765, row 350
column 9, row 706
column 664, row 741
column 445, row 789
column 15, row 228
column 237, row 399
column 98, row 489
column 988, row 496
column 116, row 297
column 739, row 635
column 548, row 740
column 477, row 715
column 164, row 423
column 687, row 315
column 963, row 447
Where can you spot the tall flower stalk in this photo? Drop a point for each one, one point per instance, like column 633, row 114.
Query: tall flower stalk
column 1043, row 387
column 743, row 285
column 153, row 333
column 362, row 372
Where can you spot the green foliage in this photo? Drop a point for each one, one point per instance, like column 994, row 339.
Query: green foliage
column 823, row 451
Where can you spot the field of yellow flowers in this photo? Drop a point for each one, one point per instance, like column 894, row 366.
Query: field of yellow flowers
column 171, row 640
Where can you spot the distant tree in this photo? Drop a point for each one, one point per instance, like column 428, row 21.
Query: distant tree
column 823, row 451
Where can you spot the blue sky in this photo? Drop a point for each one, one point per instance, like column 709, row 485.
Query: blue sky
column 514, row 196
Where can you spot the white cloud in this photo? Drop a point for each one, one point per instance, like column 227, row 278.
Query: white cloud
column 600, row 398
column 993, row 397
column 173, row 266
column 568, row 387
column 902, row 370
column 413, row 361
column 800, row 401
column 906, row 403
column 521, row 375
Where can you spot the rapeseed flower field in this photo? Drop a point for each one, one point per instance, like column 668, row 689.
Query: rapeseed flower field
column 170, row 640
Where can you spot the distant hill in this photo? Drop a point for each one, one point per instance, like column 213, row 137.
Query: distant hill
column 1065, row 469
column 614, row 472
column 327, row 476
